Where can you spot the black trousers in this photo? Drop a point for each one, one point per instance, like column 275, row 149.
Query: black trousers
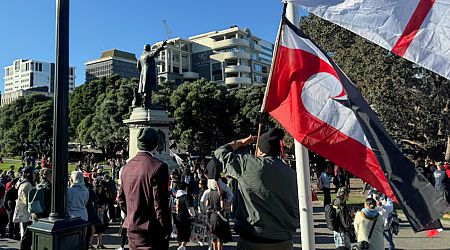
column 13, row 228
column 26, row 241
column 326, row 196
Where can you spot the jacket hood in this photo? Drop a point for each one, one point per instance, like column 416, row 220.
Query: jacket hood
column 370, row 213
column 78, row 186
column 338, row 202
column 180, row 193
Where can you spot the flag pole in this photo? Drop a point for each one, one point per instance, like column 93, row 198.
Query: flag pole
column 303, row 171
column 263, row 106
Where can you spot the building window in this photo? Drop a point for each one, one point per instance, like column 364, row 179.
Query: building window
column 257, row 68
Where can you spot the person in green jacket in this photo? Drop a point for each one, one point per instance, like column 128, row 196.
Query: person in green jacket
column 266, row 203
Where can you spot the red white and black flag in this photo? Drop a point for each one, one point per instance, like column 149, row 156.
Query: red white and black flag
column 319, row 106
column 414, row 29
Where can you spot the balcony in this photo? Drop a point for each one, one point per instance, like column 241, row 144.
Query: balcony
column 190, row 75
column 257, row 47
column 232, row 42
column 237, row 68
column 238, row 80
column 230, row 55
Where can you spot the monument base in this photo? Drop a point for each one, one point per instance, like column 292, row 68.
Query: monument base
column 64, row 234
column 157, row 119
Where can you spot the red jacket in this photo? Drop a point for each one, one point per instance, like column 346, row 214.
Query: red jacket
column 144, row 193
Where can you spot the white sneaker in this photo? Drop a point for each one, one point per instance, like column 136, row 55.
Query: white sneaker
column 120, row 248
column 181, row 248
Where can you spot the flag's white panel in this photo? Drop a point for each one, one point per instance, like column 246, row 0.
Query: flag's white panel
column 384, row 21
column 290, row 40
column 431, row 46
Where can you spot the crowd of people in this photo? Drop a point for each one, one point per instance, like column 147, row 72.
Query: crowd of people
column 154, row 206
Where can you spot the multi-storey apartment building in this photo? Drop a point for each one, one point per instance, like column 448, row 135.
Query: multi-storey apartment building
column 232, row 56
column 30, row 75
column 112, row 62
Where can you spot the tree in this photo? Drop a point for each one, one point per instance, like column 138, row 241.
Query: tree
column 202, row 119
column 103, row 127
column 26, row 124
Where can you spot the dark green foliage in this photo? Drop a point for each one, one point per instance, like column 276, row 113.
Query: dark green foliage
column 201, row 114
column 97, row 111
column 26, row 125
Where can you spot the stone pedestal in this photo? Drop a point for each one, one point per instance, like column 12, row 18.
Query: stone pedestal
column 59, row 234
column 158, row 120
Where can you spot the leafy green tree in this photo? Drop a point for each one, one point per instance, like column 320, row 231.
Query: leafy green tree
column 202, row 119
column 26, row 124
column 103, row 127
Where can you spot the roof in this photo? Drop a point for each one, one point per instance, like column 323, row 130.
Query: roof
column 119, row 54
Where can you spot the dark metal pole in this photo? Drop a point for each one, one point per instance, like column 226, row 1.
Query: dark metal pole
column 61, row 112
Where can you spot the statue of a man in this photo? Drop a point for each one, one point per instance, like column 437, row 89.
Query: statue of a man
column 148, row 79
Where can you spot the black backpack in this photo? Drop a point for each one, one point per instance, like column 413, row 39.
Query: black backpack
column 331, row 217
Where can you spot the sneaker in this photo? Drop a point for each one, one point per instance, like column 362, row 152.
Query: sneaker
column 181, row 248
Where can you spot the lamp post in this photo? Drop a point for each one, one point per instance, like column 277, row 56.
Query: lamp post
column 58, row 231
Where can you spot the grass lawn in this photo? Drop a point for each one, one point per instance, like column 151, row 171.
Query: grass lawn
column 5, row 166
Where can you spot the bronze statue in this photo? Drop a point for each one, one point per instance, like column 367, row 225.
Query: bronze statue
column 147, row 81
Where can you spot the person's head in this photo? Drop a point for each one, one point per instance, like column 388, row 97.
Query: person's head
column 77, row 177
column 343, row 193
column 46, row 174
column 147, row 139
column 11, row 167
column 106, row 177
column 147, row 47
column 370, row 203
column 27, row 173
column 183, row 186
column 440, row 165
column 269, row 142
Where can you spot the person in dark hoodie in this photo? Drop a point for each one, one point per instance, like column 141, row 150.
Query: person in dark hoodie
column 342, row 237
column 11, row 196
column 266, row 216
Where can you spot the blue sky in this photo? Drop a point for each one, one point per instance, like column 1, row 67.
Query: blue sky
column 97, row 25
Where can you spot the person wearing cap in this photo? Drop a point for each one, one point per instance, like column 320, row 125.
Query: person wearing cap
column 144, row 196
column 369, row 227
column 266, row 204
column 342, row 237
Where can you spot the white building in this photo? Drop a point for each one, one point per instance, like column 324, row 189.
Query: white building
column 232, row 56
column 31, row 74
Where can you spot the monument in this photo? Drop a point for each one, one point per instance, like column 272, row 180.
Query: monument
column 144, row 114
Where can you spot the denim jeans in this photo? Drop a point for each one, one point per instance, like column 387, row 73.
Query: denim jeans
column 389, row 238
column 342, row 240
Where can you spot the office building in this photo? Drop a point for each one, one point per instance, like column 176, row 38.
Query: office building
column 232, row 56
column 112, row 62
column 31, row 75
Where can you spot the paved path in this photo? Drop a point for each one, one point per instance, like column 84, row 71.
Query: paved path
column 406, row 239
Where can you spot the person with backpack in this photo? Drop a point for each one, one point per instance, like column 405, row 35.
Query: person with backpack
column 40, row 196
column 339, row 219
column 21, row 213
column 184, row 214
column 11, row 196
column 369, row 227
